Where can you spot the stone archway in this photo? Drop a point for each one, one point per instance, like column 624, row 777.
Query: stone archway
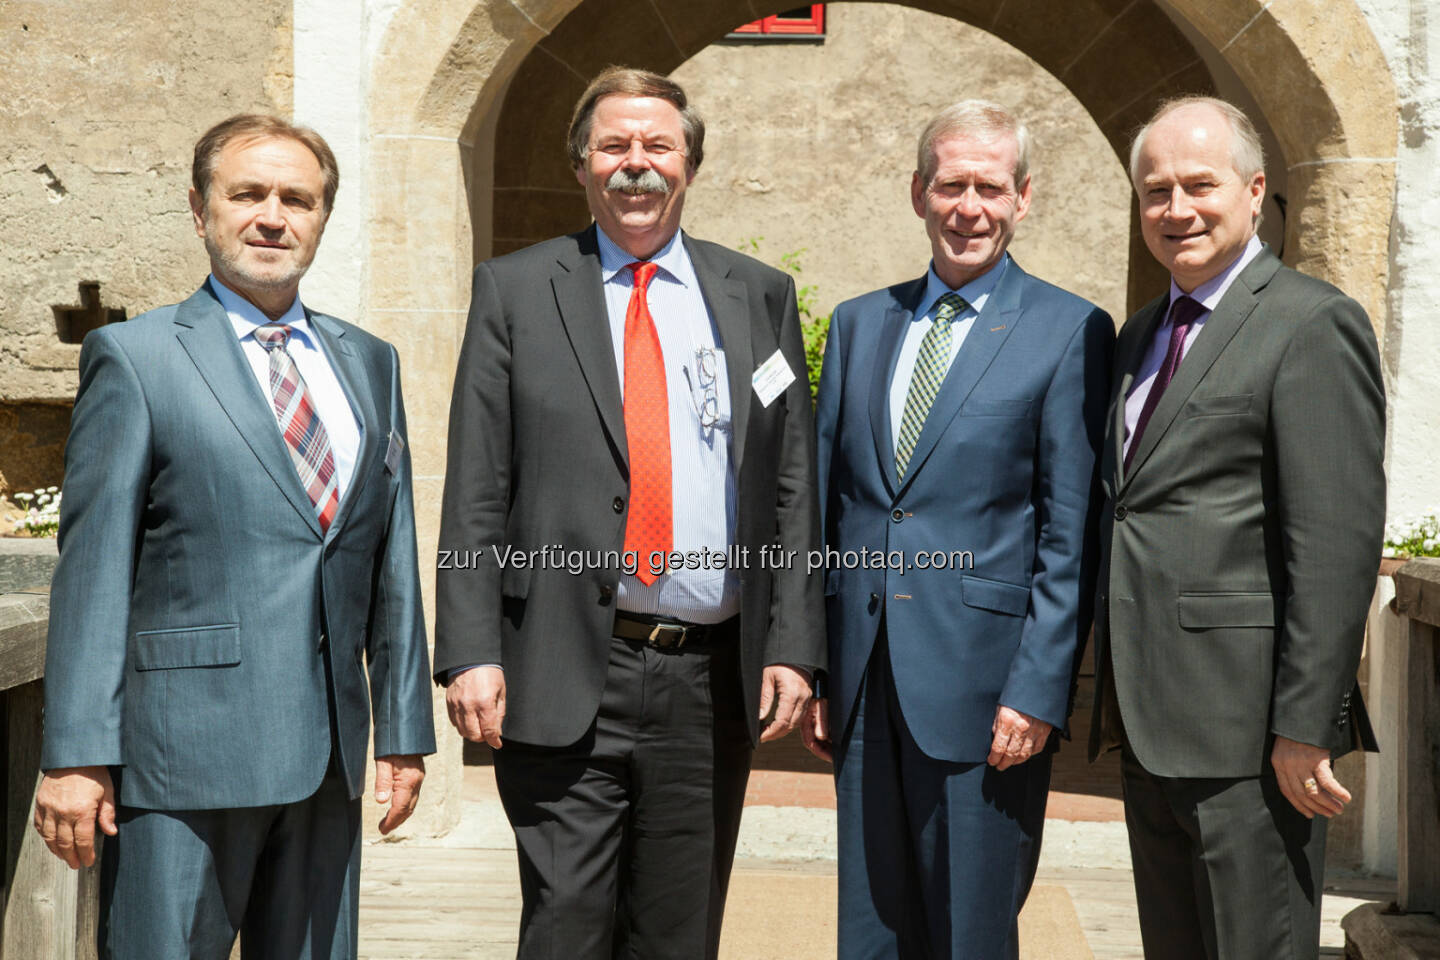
column 458, row 80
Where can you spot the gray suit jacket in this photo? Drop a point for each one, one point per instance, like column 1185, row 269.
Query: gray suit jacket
column 538, row 457
column 1239, row 554
column 201, row 624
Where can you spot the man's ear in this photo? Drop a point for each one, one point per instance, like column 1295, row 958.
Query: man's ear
column 917, row 194
column 197, row 211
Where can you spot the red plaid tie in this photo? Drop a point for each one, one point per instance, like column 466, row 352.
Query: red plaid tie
column 304, row 433
column 647, row 430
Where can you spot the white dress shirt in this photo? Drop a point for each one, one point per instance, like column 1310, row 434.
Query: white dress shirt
column 974, row 293
column 326, row 395
column 1208, row 294
column 702, row 483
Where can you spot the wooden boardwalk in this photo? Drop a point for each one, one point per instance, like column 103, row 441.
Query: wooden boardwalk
column 459, row 899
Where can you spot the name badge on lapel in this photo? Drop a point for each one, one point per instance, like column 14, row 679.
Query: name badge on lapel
column 393, row 450
column 771, row 378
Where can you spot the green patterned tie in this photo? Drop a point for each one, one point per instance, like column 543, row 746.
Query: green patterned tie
column 930, row 368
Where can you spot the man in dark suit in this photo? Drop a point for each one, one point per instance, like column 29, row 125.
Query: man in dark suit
column 630, row 429
column 959, row 420
column 1245, row 506
column 237, row 585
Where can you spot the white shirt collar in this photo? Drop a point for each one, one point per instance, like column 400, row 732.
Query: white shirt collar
column 245, row 316
column 974, row 293
column 673, row 259
column 1210, row 292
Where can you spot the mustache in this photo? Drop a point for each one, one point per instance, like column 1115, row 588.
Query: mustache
column 637, row 182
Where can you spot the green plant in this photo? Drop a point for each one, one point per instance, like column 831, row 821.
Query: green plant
column 42, row 512
column 1407, row 539
column 814, row 327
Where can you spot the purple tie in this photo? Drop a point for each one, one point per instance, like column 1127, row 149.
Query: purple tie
column 1183, row 313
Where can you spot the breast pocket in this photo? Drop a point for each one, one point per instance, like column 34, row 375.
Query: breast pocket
column 1227, row 406
column 982, row 407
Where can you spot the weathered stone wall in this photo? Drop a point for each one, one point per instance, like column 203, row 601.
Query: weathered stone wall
column 811, row 147
column 102, row 105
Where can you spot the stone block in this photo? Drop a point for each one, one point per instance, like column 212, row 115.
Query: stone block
column 1373, row 932
column 1133, row 55
column 595, row 35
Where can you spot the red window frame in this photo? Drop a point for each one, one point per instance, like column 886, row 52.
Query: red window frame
column 777, row 25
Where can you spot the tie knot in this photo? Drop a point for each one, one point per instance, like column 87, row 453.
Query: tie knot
column 947, row 306
column 272, row 335
column 644, row 270
column 1185, row 311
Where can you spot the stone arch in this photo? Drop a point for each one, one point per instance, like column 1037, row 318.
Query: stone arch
column 456, row 70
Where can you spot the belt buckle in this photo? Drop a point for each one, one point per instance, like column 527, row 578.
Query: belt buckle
column 660, row 634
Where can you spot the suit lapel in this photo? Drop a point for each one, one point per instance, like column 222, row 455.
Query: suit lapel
column 1130, row 354
column 1224, row 322
column 726, row 298
column 580, row 298
column 887, row 355
column 355, row 382
column 987, row 335
column 205, row 333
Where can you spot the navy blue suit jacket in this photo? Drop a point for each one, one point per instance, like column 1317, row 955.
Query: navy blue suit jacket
column 1005, row 468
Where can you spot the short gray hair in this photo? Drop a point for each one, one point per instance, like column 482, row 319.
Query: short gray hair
column 983, row 119
column 1247, row 154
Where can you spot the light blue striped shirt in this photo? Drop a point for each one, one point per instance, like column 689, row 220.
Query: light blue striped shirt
column 703, row 491
column 974, row 293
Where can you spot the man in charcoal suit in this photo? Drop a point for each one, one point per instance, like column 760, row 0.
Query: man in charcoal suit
column 1241, row 534
column 630, row 407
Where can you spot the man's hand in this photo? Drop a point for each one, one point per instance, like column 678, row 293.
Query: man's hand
column 476, row 701
column 1018, row 737
column 788, row 691
column 815, row 730
column 1305, row 778
column 397, row 782
column 67, row 805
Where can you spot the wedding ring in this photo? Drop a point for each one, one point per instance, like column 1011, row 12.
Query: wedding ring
column 1311, row 786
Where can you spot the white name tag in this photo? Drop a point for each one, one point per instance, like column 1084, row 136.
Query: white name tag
column 393, row 450
column 771, row 379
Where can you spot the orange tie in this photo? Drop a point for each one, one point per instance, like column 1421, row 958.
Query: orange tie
column 647, row 430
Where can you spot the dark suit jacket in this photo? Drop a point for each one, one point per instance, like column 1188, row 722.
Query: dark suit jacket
column 1004, row 468
column 1240, row 552
column 538, row 457
column 200, row 622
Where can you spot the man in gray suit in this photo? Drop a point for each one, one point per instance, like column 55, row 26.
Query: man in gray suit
column 630, row 429
column 237, row 586
column 1246, row 498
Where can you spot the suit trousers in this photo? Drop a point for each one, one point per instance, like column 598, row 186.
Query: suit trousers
column 1225, row 868
column 626, row 837
column 178, row 885
column 935, row 858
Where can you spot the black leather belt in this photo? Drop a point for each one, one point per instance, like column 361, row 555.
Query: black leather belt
column 662, row 633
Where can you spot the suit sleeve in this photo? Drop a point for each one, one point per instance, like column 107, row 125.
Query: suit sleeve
column 398, row 660
column 1066, row 502
column 107, row 479
column 477, row 489
column 796, row 634
column 827, row 415
column 1328, row 430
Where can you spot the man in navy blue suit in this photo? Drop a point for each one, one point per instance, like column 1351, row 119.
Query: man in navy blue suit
column 959, row 419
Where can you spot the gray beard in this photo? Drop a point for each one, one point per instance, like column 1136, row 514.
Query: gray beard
column 645, row 181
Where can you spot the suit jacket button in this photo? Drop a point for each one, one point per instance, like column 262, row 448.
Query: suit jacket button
column 874, row 598
column 1120, row 512
column 897, row 515
column 619, row 504
column 606, row 594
